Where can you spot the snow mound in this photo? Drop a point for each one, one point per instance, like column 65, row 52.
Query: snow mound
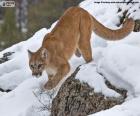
column 88, row 73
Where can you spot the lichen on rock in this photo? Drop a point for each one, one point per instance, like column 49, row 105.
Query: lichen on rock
column 79, row 99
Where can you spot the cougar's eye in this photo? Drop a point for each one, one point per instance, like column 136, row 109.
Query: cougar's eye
column 32, row 66
column 40, row 65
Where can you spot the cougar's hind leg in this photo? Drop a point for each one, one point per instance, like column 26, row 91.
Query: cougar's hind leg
column 84, row 41
column 85, row 49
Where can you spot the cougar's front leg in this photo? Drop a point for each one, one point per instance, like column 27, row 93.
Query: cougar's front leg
column 63, row 69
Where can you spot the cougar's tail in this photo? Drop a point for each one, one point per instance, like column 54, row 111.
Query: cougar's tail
column 113, row 35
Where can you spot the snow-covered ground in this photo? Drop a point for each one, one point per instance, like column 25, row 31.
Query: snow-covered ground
column 119, row 62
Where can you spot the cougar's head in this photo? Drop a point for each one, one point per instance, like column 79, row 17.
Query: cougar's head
column 37, row 61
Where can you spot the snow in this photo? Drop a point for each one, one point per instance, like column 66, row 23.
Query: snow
column 126, row 66
column 118, row 62
column 10, row 72
column 21, row 101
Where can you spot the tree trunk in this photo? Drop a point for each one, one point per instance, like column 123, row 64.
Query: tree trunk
column 79, row 99
column 21, row 15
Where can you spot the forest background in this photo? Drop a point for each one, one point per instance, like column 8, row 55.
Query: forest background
column 28, row 16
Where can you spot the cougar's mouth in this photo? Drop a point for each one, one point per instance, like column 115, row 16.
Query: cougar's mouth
column 37, row 75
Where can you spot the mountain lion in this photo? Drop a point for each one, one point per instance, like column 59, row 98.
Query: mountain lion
column 71, row 35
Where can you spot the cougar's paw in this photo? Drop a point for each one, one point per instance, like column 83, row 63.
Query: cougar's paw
column 49, row 85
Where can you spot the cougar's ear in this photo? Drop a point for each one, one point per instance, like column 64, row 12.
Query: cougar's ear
column 44, row 53
column 29, row 53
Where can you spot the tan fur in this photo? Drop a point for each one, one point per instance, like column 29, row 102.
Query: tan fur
column 71, row 34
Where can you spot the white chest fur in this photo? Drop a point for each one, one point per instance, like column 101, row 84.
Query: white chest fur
column 51, row 71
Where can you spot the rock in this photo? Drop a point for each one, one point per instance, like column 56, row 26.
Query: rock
column 125, row 15
column 8, row 90
column 137, row 26
column 5, row 57
column 79, row 99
